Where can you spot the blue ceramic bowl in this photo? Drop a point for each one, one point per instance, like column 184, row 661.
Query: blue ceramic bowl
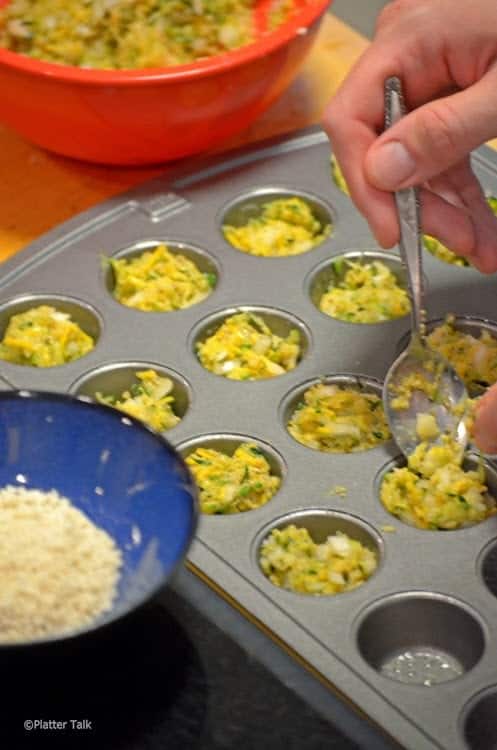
column 127, row 479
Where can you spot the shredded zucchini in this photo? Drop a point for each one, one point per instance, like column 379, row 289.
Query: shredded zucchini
column 117, row 34
column 338, row 177
column 339, row 419
column 440, row 251
column 291, row 559
column 244, row 348
column 232, row 484
column 286, row 226
column 159, row 281
column 149, row 399
column 474, row 359
column 434, row 491
column 366, row 293
column 44, row 337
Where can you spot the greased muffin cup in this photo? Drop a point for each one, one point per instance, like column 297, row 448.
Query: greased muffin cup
column 421, row 630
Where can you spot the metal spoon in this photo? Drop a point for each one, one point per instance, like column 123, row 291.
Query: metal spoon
column 447, row 401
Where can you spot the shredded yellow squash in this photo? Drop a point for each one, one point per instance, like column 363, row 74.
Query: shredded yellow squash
column 432, row 244
column 338, row 177
column 364, row 293
column 118, row 34
column 474, row 359
column 159, row 281
column 291, row 559
column 244, row 348
column 403, row 390
column 149, row 399
column 434, row 491
column 339, row 419
column 440, row 251
column 286, row 226
column 232, row 484
column 44, row 337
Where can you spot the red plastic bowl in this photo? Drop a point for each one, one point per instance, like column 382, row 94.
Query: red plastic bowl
column 153, row 115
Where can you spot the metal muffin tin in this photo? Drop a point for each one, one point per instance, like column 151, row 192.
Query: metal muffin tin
column 429, row 591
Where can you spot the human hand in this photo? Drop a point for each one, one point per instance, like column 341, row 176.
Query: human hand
column 445, row 54
column 485, row 424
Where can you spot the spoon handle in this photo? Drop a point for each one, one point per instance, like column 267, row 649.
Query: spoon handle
column 407, row 202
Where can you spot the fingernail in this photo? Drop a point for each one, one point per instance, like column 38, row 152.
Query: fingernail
column 390, row 165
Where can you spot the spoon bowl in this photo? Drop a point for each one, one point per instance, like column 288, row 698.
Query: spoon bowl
column 446, row 404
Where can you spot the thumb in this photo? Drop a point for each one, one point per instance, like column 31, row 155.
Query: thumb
column 434, row 137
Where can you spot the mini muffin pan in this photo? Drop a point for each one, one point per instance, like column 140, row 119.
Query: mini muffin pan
column 429, row 611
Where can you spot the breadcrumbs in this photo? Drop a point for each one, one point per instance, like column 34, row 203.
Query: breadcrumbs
column 58, row 570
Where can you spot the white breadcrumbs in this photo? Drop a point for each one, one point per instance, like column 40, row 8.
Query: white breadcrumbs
column 58, row 571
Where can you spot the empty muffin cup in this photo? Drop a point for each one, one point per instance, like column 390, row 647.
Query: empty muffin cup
column 420, row 638
column 478, row 723
column 487, row 566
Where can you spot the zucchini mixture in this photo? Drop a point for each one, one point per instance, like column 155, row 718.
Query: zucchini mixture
column 416, row 381
column 44, row 337
column 339, row 419
column 286, row 226
column 365, row 293
column 244, row 348
column 149, row 399
column 434, row 491
column 474, row 359
column 443, row 253
column 292, row 560
column 232, row 484
column 118, row 34
column 159, row 281
column 434, row 246
column 338, row 177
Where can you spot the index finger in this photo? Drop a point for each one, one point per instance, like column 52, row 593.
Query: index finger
column 354, row 119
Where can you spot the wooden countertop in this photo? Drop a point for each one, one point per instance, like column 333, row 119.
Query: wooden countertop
column 38, row 190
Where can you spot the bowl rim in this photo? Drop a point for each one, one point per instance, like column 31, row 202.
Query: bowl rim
column 299, row 23
column 15, row 394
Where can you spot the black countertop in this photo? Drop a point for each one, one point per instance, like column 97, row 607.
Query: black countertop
column 187, row 672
